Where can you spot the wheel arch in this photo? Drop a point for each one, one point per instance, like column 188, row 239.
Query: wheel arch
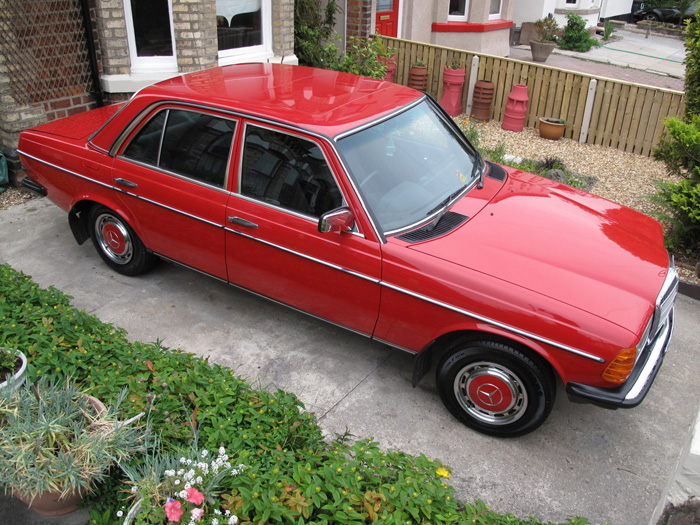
column 436, row 349
column 78, row 218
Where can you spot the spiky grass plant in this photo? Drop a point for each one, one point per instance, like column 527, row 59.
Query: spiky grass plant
column 53, row 440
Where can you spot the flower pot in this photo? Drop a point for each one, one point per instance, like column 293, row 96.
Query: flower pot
column 133, row 512
column 481, row 101
column 541, row 50
column 390, row 64
column 516, row 108
column 453, row 81
column 51, row 503
column 16, row 380
column 552, row 128
column 418, row 77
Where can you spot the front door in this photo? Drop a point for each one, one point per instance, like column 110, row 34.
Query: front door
column 273, row 246
column 388, row 17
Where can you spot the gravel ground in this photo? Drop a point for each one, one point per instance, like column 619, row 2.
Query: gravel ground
column 622, row 177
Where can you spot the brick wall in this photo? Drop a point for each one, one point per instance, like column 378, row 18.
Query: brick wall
column 359, row 18
column 283, row 27
column 194, row 26
column 111, row 28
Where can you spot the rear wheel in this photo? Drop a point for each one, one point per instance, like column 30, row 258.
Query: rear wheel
column 494, row 388
column 117, row 243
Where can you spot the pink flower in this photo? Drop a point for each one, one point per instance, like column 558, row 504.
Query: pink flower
column 194, row 496
column 173, row 510
column 197, row 514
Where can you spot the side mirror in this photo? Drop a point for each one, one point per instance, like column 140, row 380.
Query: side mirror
column 338, row 220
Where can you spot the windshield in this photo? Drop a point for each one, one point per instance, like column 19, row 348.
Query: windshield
column 410, row 167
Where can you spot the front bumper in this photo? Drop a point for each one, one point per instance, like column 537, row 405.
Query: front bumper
column 632, row 392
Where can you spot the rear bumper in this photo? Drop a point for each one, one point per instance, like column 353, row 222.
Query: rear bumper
column 33, row 186
column 632, row 392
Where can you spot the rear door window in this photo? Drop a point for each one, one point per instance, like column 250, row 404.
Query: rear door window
column 193, row 144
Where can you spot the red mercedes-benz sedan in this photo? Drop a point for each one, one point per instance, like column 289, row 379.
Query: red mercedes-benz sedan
column 361, row 203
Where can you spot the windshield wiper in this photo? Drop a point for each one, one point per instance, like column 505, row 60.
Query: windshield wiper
column 443, row 208
column 479, row 165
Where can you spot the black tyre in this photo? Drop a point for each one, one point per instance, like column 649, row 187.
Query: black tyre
column 117, row 243
column 494, row 388
column 651, row 17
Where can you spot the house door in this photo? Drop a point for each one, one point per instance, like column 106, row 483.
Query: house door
column 387, row 17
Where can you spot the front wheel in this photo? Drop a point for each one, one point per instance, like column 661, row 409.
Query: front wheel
column 117, row 243
column 494, row 388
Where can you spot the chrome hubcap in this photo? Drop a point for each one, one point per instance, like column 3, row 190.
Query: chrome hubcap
column 491, row 393
column 114, row 238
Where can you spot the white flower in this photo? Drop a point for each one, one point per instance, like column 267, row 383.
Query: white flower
column 182, row 494
column 222, row 451
column 119, row 514
column 204, row 453
column 217, row 511
column 232, row 520
column 214, row 521
column 177, row 482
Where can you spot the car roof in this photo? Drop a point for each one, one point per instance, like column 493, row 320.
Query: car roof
column 320, row 100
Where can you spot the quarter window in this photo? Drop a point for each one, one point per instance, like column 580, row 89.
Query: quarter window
column 195, row 145
column 287, row 171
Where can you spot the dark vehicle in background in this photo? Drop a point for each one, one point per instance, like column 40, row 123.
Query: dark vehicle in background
column 662, row 14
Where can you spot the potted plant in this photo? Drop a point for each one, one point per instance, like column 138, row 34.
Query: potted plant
column 546, row 29
column 13, row 364
column 56, row 443
column 552, row 128
column 386, row 58
column 192, row 488
column 453, row 78
column 418, row 76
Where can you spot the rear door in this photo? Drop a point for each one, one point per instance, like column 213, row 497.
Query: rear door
column 273, row 245
column 172, row 175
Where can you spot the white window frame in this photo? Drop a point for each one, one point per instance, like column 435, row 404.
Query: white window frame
column 459, row 18
column 166, row 64
column 262, row 51
column 496, row 16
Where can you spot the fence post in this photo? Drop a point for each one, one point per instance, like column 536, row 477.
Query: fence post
column 473, row 77
column 590, row 98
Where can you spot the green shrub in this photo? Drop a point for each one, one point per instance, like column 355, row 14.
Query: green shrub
column 681, row 203
column 576, row 37
column 290, row 474
column 313, row 28
column 362, row 57
column 692, row 68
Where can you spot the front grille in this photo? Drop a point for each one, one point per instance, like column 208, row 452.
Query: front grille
column 665, row 300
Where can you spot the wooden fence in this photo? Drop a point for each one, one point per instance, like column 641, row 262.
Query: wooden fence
column 612, row 113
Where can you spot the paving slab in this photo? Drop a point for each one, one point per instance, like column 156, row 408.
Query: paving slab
column 655, row 60
column 611, row 466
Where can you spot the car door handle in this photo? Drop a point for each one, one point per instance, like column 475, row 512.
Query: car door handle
column 125, row 182
column 242, row 222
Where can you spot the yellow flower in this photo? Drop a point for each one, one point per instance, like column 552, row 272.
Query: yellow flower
column 443, row 472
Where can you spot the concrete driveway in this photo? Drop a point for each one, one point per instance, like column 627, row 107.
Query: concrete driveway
column 607, row 466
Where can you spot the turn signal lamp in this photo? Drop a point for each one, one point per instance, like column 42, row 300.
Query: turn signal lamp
column 621, row 367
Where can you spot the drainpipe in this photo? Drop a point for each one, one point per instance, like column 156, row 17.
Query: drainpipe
column 92, row 54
